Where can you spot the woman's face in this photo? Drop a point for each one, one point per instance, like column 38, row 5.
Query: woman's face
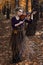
column 19, row 13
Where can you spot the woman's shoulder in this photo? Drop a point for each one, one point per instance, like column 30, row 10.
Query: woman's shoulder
column 14, row 17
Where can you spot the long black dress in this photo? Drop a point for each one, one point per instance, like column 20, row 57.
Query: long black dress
column 16, row 41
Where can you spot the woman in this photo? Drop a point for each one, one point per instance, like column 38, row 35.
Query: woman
column 17, row 24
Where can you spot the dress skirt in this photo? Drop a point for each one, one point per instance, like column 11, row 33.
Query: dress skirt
column 16, row 41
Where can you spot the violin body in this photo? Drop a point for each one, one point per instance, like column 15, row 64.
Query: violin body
column 22, row 17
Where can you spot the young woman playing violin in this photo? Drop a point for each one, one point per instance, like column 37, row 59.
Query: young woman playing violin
column 17, row 35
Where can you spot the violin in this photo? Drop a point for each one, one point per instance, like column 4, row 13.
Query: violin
column 22, row 17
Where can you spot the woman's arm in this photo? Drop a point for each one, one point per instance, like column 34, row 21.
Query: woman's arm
column 21, row 22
